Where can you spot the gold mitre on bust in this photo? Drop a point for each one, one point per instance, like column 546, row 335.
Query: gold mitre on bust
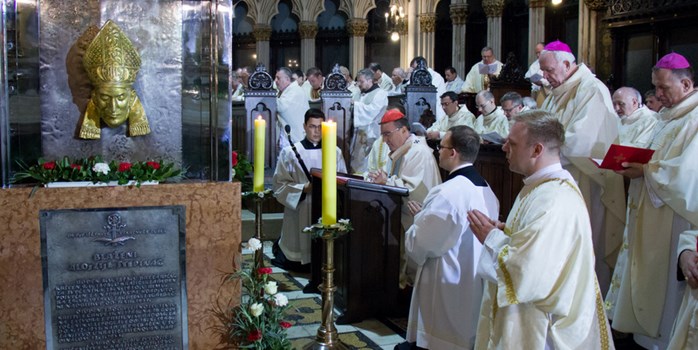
column 112, row 63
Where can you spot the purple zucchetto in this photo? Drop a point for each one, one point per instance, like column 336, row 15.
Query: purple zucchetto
column 557, row 45
column 672, row 61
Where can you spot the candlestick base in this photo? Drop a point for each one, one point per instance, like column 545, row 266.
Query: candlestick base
column 258, row 198
column 327, row 336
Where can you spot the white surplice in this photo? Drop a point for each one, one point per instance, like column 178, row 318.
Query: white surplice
column 461, row 117
column 541, row 290
column 685, row 332
column 455, row 85
column 496, row 121
column 412, row 166
column 368, row 111
column 291, row 106
column 288, row 182
column 637, row 128
column 583, row 105
column 378, row 158
column 645, row 300
column 474, row 81
column 386, row 83
column 447, row 294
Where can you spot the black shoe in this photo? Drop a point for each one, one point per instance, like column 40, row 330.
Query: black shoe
column 281, row 262
column 408, row 346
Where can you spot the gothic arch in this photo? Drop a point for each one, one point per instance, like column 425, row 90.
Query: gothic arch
column 308, row 10
column 262, row 11
column 357, row 8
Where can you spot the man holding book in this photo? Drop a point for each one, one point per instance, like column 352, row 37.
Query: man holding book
column 475, row 80
column 662, row 221
column 582, row 103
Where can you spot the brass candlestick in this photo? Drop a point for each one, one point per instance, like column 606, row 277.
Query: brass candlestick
column 327, row 336
column 259, row 253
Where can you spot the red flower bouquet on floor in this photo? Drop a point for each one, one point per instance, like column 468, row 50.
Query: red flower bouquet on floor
column 257, row 323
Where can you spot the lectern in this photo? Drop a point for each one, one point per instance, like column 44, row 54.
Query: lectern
column 367, row 260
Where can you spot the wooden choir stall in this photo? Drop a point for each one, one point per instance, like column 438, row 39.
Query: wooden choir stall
column 367, row 260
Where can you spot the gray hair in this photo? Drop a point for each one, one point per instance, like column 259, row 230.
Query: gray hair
column 486, row 94
column 561, row 56
column 367, row 73
column 512, row 96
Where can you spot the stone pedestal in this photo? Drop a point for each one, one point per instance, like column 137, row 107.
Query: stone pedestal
column 212, row 247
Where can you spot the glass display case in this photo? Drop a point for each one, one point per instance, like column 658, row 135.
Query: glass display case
column 185, row 49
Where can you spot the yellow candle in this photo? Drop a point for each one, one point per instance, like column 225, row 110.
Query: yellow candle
column 260, row 130
column 329, row 172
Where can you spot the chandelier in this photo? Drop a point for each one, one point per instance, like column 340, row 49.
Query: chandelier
column 395, row 21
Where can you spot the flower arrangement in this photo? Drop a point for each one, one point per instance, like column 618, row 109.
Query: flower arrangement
column 96, row 170
column 241, row 169
column 257, row 323
column 342, row 226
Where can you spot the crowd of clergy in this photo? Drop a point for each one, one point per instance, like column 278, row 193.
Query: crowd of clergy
column 582, row 259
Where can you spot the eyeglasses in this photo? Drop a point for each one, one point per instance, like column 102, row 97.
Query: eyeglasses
column 440, row 147
column 387, row 134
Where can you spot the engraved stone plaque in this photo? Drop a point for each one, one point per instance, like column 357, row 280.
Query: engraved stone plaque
column 114, row 278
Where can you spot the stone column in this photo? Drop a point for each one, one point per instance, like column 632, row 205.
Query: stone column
column 536, row 26
column 459, row 14
column 493, row 11
column 412, row 33
column 262, row 33
column 588, row 19
column 405, row 58
column 308, row 31
column 427, row 26
column 357, row 28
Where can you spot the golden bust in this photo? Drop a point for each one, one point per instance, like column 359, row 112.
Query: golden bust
column 112, row 64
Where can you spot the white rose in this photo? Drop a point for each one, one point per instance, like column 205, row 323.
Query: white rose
column 344, row 221
column 280, row 299
column 270, row 288
column 254, row 244
column 101, row 168
column 256, row 309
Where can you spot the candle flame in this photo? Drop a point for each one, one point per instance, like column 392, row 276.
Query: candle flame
column 259, row 117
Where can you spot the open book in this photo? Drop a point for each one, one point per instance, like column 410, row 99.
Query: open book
column 418, row 129
column 487, row 68
column 493, row 137
column 535, row 78
column 619, row 154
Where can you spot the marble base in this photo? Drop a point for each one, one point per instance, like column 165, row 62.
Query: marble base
column 213, row 247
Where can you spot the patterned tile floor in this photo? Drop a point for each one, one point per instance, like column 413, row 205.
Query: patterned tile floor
column 368, row 334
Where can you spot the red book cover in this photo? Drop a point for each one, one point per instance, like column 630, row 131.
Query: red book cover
column 619, row 154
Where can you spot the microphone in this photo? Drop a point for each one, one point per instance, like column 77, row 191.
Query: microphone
column 298, row 156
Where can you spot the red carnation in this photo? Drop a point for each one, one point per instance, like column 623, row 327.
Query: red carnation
column 154, row 165
column 75, row 166
column 254, row 335
column 124, row 167
column 264, row 270
column 49, row 165
column 285, row 325
column 235, row 158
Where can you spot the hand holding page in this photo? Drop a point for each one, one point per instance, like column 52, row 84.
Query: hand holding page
column 619, row 154
column 493, row 137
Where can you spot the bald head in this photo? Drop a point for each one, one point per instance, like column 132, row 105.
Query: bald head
column 626, row 100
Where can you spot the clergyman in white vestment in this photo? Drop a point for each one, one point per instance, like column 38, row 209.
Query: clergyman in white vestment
column 292, row 188
column 447, row 293
column 541, row 290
